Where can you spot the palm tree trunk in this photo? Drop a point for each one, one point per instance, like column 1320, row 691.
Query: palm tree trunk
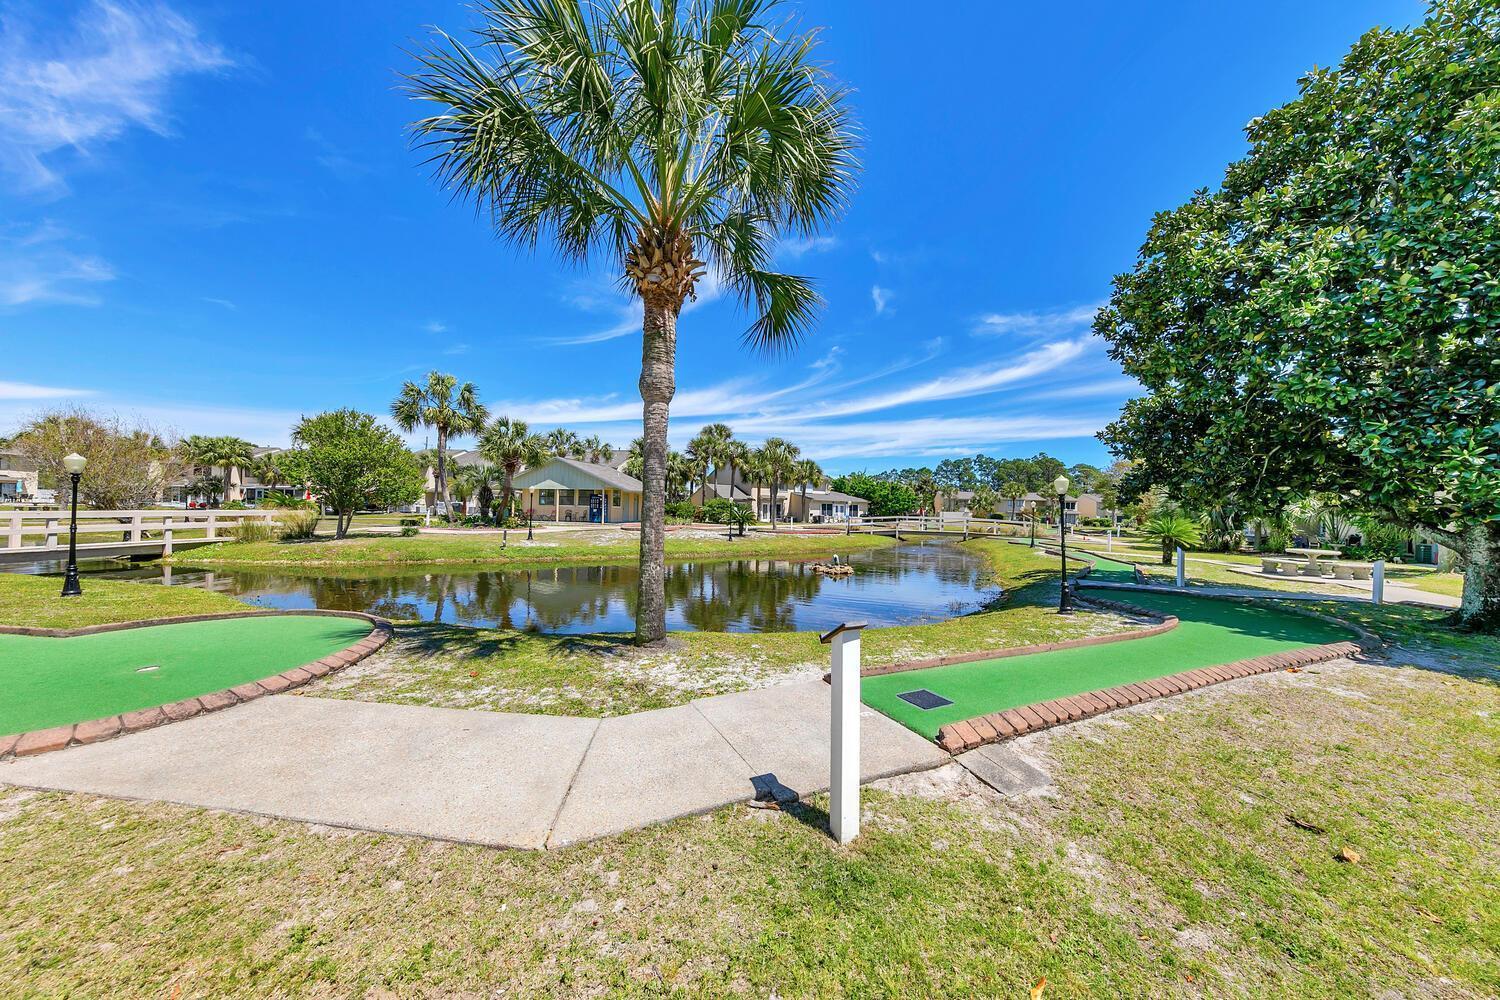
column 775, row 492
column 442, row 473
column 658, row 385
column 505, row 492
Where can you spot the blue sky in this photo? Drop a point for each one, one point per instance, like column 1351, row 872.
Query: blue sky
column 210, row 219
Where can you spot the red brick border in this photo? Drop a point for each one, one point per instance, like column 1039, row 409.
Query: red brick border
column 957, row 737
column 98, row 730
column 966, row 735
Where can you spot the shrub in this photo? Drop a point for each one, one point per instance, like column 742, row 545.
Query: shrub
column 253, row 531
column 409, row 531
column 233, row 505
column 720, row 510
column 410, row 522
column 298, row 523
column 683, row 511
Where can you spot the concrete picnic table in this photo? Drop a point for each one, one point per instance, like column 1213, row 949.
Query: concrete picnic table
column 1314, row 568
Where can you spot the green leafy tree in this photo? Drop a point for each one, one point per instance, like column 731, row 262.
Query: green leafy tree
column 1326, row 320
column 885, row 497
column 350, row 461
column 128, row 465
column 449, row 409
column 666, row 135
column 511, row 445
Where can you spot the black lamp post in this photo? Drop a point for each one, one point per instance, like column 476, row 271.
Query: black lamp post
column 1060, row 485
column 74, row 463
column 529, row 536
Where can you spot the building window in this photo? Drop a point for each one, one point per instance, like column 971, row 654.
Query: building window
column 854, row 510
column 567, row 498
column 615, row 499
column 546, row 498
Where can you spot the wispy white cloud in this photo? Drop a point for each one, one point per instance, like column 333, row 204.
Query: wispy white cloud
column 959, row 384
column 226, row 303
column 627, row 310
column 436, row 326
column 113, row 72
column 333, row 158
column 26, row 390
column 455, row 349
column 1044, row 323
column 1118, row 386
column 811, row 244
column 881, row 297
column 40, row 265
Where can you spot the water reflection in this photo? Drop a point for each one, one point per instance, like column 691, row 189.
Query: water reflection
column 902, row 585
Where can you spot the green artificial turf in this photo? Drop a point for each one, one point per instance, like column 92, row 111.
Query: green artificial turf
column 52, row 682
column 1211, row 632
column 1110, row 571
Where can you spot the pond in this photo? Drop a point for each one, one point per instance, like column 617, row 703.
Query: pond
column 902, row 585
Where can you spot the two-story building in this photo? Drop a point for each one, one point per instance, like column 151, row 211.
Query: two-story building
column 18, row 477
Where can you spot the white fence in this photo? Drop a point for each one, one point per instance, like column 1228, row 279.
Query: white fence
column 143, row 528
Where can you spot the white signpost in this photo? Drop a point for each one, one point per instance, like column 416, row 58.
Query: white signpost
column 1377, row 582
column 843, row 756
column 1181, row 567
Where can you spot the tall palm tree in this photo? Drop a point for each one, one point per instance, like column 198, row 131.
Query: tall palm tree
column 1014, row 492
column 680, row 474
column 665, row 134
column 511, row 446
column 449, row 409
column 777, row 460
column 561, row 442
column 707, row 449
column 596, row 449
column 224, row 452
column 807, row 472
column 635, row 463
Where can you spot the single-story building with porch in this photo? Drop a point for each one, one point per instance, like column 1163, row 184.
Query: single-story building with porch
column 565, row 489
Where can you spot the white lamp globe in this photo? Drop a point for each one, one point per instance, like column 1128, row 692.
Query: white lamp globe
column 74, row 463
column 1060, row 485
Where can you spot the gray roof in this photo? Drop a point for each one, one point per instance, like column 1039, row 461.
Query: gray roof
column 833, row 496
column 724, row 491
column 583, row 475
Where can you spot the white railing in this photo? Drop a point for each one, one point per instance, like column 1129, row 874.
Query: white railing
column 134, row 526
column 945, row 522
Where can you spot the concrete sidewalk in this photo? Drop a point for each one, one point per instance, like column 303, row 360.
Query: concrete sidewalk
column 491, row 778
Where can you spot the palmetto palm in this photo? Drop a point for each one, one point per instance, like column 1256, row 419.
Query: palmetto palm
column 1014, row 492
column 596, row 449
column 807, row 472
column 511, row 446
column 226, row 453
column 561, row 442
column 1173, row 529
column 708, row 449
column 449, row 409
column 776, row 459
column 667, row 135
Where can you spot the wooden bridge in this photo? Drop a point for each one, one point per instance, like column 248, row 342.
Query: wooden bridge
column 33, row 536
column 949, row 526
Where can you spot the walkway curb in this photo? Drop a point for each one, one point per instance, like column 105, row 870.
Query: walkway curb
column 98, row 730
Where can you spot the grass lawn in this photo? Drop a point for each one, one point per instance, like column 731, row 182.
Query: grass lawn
column 55, row 681
column 509, row 670
column 598, row 546
column 34, row 602
column 1162, row 863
